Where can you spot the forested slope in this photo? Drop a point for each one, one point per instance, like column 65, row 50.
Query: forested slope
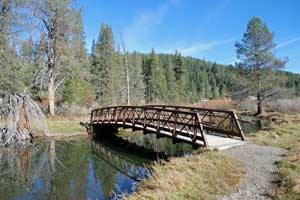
column 53, row 62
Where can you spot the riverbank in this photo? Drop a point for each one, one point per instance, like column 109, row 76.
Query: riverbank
column 210, row 174
column 66, row 126
column 207, row 175
column 203, row 175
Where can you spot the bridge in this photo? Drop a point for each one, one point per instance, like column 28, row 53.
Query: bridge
column 199, row 126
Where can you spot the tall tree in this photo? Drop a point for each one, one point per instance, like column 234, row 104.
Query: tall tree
column 27, row 59
column 256, row 51
column 9, row 65
column 180, row 75
column 137, row 86
column 214, row 89
column 4, row 23
column 155, row 80
column 170, row 79
column 206, row 86
column 59, row 21
column 223, row 90
column 125, row 59
column 107, row 69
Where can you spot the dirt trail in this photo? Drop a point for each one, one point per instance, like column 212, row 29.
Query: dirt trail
column 261, row 177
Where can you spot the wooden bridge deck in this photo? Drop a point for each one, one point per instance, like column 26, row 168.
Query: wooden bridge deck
column 205, row 127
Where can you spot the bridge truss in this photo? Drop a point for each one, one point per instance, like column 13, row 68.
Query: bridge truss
column 187, row 124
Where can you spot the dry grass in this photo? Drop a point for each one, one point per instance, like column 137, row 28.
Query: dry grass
column 278, row 105
column 61, row 126
column 202, row 176
column 286, row 135
column 222, row 104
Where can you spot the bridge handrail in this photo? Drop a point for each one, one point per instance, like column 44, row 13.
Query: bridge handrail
column 188, row 107
column 211, row 120
column 145, row 108
column 232, row 113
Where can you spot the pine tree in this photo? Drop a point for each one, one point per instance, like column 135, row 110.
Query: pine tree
column 223, row 90
column 137, row 86
column 107, row 71
column 178, row 66
column 10, row 65
column 170, row 80
column 201, row 87
column 214, row 89
column 207, row 87
column 256, row 50
column 27, row 59
column 180, row 75
column 155, row 80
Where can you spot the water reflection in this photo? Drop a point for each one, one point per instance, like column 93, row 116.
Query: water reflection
column 73, row 169
column 160, row 145
column 251, row 124
column 136, row 169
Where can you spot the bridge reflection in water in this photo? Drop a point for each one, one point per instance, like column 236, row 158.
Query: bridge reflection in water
column 133, row 168
column 77, row 168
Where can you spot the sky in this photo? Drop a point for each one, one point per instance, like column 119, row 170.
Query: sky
column 206, row 29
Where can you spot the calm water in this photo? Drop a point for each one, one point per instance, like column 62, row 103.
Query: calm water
column 251, row 124
column 85, row 169
column 78, row 168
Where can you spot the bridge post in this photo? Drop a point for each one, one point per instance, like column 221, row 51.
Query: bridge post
column 238, row 126
column 199, row 121
column 158, row 122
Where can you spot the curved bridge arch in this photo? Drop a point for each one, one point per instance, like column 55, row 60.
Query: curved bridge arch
column 187, row 124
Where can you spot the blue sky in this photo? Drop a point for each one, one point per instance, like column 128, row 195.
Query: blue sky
column 199, row 28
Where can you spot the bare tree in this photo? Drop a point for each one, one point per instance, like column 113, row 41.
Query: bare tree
column 126, row 71
column 55, row 20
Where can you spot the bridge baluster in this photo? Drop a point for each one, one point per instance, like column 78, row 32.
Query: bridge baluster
column 177, row 122
column 158, row 121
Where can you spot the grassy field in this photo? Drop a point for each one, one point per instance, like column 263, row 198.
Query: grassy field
column 65, row 126
column 285, row 135
column 204, row 176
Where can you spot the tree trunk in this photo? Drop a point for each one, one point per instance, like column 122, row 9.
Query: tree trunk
column 52, row 157
column 127, row 80
column 51, row 54
column 51, row 92
column 259, row 105
column 127, row 72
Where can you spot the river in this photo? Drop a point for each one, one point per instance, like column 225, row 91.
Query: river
column 80, row 168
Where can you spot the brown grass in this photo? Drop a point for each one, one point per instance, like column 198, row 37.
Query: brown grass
column 222, row 104
column 202, row 176
column 65, row 125
column 285, row 135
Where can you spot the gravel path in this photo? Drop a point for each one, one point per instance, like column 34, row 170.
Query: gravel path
column 261, row 174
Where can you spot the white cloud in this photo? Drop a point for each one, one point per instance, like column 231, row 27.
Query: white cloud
column 204, row 46
column 288, row 42
column 144, row 24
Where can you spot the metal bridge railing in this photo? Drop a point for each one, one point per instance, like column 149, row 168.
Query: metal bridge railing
column 184, row 123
